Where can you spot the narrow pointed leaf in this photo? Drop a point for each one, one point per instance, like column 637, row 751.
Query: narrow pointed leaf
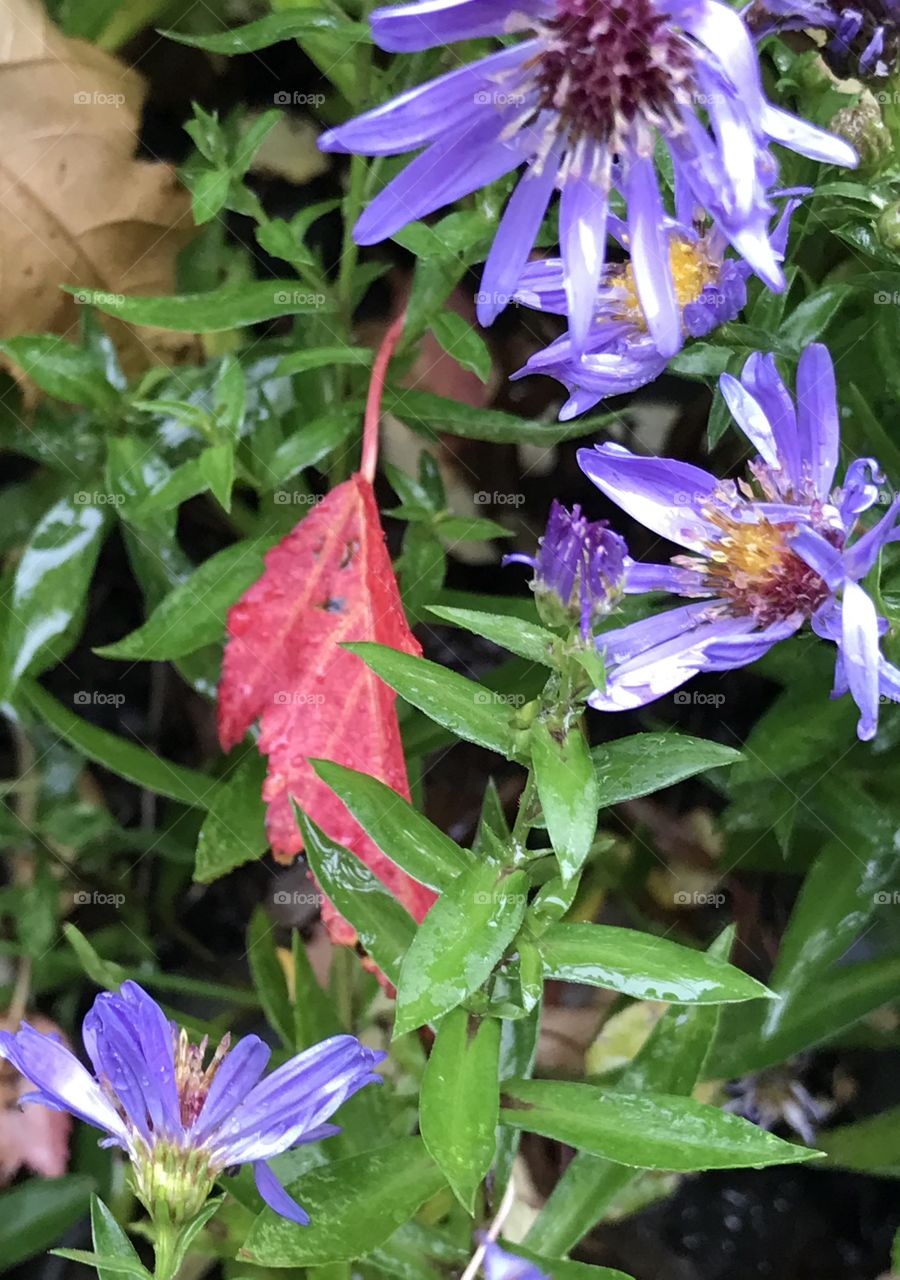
column 647, row 1131
column 519, row 637
column 568, row 789
column 646, row 762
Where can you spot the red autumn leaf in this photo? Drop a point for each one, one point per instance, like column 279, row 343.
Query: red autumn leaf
column 330, row 580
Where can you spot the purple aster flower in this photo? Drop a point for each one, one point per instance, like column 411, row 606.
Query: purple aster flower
column 767, row 554
column 181, row 1120
column 621, row 353
column 580, row 103
column 776, row 1096
column 500, row 1265
column 579, row 570
column 864, row 39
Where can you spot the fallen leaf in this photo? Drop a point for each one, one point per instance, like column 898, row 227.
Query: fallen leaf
column 78, row 207
column 31, row 1137
column 329, row 581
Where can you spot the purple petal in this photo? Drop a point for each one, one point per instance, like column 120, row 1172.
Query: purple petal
column 426, row 112
column 500, row 1265
column 806, row 139
column 662, row 577
column 859, row 491
column 820, row 555
column 582, row 236
column 860, row 558
column 665, row 495
column 859, row 650
column 236, row 1077
column 761, row 378
column 275, row 1196
column 748, row 413
column 63, row 1083
column 442, row 174
column 515, row 239
column 406, row 28
column 650, row 256
column 817, row 417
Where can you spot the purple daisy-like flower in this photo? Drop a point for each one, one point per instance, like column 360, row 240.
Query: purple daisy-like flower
column 621, row 353
column 579, row 570
column 864, row 37
column 581, row 103
column 182, row 1120
column 500, row 1265
column 767, row 555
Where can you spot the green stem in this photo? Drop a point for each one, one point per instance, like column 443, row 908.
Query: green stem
column 165, row 1252
column 524, row 818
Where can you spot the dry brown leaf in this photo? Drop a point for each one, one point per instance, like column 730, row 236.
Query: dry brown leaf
column 76, row 206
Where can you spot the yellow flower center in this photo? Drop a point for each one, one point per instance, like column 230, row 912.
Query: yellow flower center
column 691, row 271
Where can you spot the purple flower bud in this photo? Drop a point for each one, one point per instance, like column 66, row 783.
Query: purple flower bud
column 579, row 570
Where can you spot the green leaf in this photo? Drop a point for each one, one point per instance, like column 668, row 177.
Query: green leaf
column 828, row 1008
column 435, row 413
column 145, row 768
column 268, row 976
column 234, row 830
column 355, row 1205
column 461, row 341
column 470, row 529
column 458, row 943
column 460, row 705
column 270, row 30
column 399, row 829
column 106, row 1264
column 106, row 973
column 460, row 1101
column 36, row 1213
column 193, row 614
column 385, row 928
column 670, row 1061
column 646, row 762
column 209, row 191
column 645, row 1131
column 49, row 588
column 323, row 358
column 568, row 790
column 564, row 1270
column 111, row 1242
column 309, row 446
column 233, row 306
column 642, row 966
column 869, row 1146
column 809, row 320
column 523, row 638
column 63, row 370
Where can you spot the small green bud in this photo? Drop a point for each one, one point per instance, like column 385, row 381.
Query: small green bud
column 863, row 126
column 889, row 226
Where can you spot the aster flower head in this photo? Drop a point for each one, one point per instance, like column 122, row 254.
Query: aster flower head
column 581, row 102
column 621, row 353
column 579, row 570
column 777, row 1096
column 766, row 555
column 182, row 1116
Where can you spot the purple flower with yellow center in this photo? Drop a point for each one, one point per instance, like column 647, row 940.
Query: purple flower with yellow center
column 579, row 570
column 621, row 353
column 767, row 554
column 581, row 103
column 183, row 1120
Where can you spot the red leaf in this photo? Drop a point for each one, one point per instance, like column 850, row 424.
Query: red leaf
column 330, row 580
